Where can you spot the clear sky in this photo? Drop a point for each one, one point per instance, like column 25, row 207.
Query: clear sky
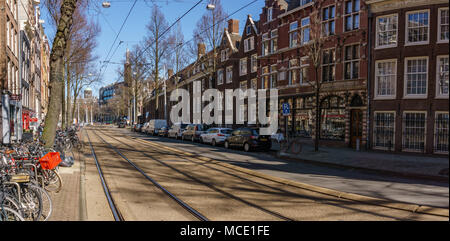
column 111, row 20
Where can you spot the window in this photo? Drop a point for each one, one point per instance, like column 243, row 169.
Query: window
column 328, row 21
column 416, row 76
column 351, row 62
column 293, row 71
column 417, row 27
column 254, row 63
column 384, row 130
column 441, row 132
column 243, row 85
column 273, row 76
column 223, row 55
column 387, row 29
column 385, row 78
column 304, row 69
column 442, row 76
column 269, row 14
column 351, row 15
column 254, row 84
column 273, row 41
column 243, row 66
column 265, row 78
column 249, row 44
column 229, row 76
column 328, row 65
column 305, row 30
column 219, row 76
column 414, row 124
column 249, row 29
column 265, row 44
column 443, row 34
column 293, row 34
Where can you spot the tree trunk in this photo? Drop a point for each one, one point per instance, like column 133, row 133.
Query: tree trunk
column 56, row 71
column 68, row 112
column 63, row 101
column 317, row 133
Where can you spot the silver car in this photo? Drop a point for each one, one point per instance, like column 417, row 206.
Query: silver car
column 216, row 136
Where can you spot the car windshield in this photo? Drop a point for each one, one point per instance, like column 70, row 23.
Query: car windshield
column 183, row 126
column 226, row 131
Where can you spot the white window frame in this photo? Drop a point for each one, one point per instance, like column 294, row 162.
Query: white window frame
column 229, row 74
column 304, row 63
column 377, row 46
column 438, row 71
column 403, row 132
column 374, row 129
column 254, row 83
column 407, row 43
column 254, row 63
column 291, row 33
column 220, row 77
column 269, row 14
column 385, row 97
column 303, row 28
column 405, row 79
column 243, row 66
column 439, row 40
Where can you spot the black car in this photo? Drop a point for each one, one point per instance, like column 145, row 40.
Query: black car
column 249, row 139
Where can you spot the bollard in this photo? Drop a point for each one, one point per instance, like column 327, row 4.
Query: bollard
column 357, row 144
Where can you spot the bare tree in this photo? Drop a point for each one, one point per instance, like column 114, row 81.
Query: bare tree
column 65, row 20
column 159, row 41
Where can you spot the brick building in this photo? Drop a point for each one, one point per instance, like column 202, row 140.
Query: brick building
column 285, row 63
column 409, row 75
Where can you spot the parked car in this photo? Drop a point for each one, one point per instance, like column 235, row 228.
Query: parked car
column 193, row 132
column 145, row 127
column 176, row 130
column 155, row 125
column 163, row 131
column 137, row 127
column 248, row 138
column 216, row 136
column 122, row 124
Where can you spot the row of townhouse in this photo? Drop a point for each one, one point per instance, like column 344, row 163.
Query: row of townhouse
column 383, row 71
column 24, row 64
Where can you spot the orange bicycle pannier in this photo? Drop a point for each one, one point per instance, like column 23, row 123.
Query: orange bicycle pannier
column 50, row 160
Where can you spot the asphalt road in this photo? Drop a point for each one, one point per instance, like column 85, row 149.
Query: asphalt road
column 429, row 193
column 217, row 192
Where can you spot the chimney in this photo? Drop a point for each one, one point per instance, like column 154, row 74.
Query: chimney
column 201, row 50
column 233, row 26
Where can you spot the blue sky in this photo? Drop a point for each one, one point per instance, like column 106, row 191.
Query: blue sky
column 111, row 20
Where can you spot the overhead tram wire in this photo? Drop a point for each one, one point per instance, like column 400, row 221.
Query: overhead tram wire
column 105, row 65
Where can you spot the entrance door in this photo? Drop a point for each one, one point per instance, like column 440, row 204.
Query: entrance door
column 356, row 127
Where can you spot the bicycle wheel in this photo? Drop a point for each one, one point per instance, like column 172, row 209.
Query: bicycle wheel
column 8, row 214
column 52, row 181
column 31, row 202
column 47, row 205
column 10, row 201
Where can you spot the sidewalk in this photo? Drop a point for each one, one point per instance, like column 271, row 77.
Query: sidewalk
column 398, row 164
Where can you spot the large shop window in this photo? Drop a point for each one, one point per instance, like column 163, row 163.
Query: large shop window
column 303, row 117
column 332, row 122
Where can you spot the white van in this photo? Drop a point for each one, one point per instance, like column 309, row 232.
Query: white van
column 155, row 125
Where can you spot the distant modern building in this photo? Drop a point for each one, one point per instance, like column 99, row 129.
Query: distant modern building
column 108, row 92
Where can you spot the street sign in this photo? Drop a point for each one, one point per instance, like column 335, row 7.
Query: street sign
column 286, row 109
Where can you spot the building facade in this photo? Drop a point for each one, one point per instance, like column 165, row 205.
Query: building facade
column 409, row 72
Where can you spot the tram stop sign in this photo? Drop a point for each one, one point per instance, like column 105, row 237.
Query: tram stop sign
column 286, row 109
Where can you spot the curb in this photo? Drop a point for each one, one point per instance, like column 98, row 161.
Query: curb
column 444, row 179
column 349, row 196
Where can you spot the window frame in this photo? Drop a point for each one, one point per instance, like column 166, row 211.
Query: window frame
column 242, row 73
column 351, row 61
column 407, row 43
column 439, row 40
column 424, row 135
column 254, row 60
column 219, row 76
column 229, row 79
column 438, row 94
column 435, row 131
column 385, row 97
column 328, row 21
column 344, row 15
column 374, row 129
column 377, row 46
column 405, row 79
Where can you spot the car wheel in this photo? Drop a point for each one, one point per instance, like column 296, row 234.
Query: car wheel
column 213, row 142
column 227, row 145
column 246, row 147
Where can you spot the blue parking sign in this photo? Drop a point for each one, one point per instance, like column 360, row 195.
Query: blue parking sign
column 286, row 109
